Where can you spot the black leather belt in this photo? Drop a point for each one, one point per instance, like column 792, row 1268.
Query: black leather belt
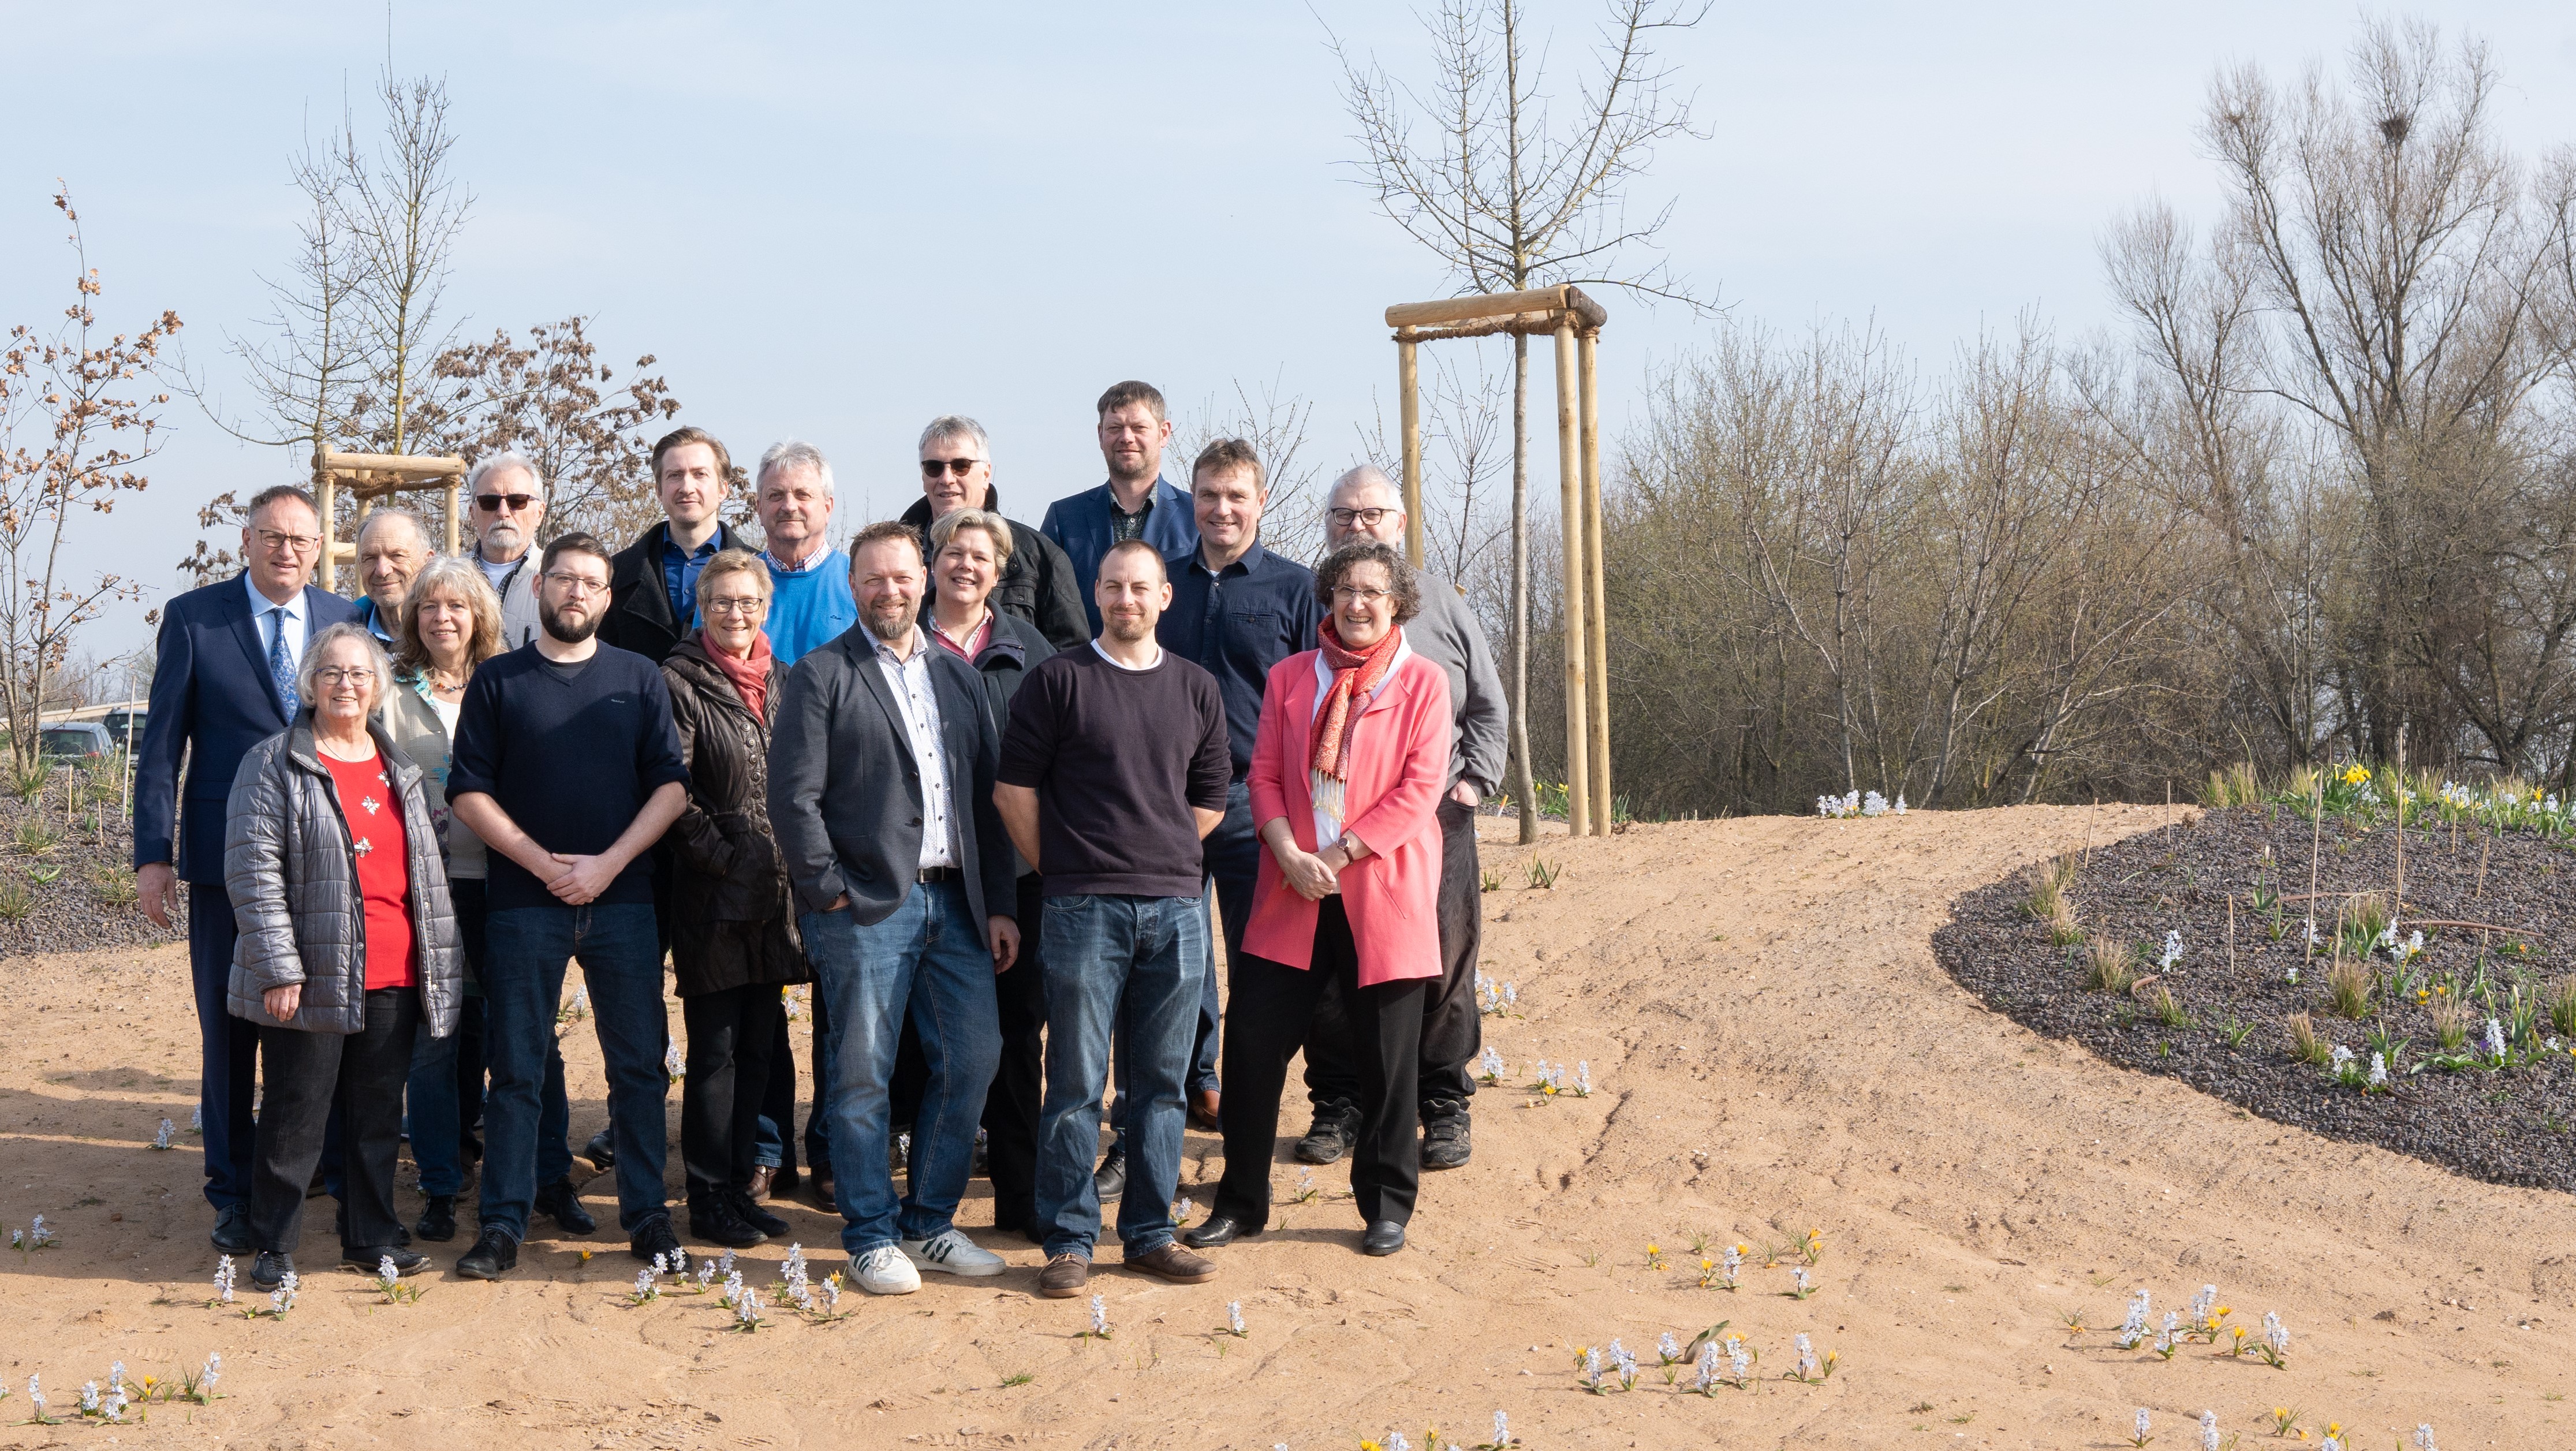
column 938, row 874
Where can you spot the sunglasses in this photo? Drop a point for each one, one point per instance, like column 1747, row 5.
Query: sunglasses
column 931, row 468
column 497, row 503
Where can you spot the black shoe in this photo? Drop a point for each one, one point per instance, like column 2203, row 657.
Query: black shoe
column 1217, row 1230
column 561, row 1202
column 494, row 1254
column 372, row 1260
column 749, row 1211
column 232, row 1230
column 402, row 1236
column 1110, row 1179
column 1384, row 1237
column 714, row 1219
column 1337, row 1127
column 271, row 1268
column 437, row 1222
column 1444, row 1134
column 654, row 1239
column 599, row 1151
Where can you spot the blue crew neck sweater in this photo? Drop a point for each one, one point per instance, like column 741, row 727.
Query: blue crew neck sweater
column 809, row 607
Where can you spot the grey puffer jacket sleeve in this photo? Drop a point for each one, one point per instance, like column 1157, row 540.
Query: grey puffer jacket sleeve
column 293, row 880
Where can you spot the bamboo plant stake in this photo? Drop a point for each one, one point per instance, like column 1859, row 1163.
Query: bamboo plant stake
column 2397, row 912
column 2316, row 845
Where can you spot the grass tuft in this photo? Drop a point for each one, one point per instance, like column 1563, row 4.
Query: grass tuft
column 2235, row 786
column 2110, row 966
column 2305, row 1043
column 2349, row 988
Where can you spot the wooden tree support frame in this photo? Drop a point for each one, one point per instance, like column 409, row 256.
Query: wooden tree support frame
column 1574, row 321
column 372, row 476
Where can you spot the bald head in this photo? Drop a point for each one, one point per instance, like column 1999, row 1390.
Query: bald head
column 1365, row 504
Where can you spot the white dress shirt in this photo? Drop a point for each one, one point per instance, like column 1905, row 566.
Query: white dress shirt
column 919, row 702
column 290, row 614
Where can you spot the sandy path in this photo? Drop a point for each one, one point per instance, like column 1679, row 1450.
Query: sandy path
column 1774, row 1050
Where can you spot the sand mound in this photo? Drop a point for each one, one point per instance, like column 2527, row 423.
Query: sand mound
column 1773, row 1050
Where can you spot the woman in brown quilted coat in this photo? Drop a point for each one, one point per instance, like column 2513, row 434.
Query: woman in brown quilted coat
column 733, row 934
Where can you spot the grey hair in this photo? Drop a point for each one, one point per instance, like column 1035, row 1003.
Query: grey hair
column 995, row 527
column 332, row 635
column 419, row 526
column 956, row 425
column 1367, row 474
column 793, row 453
column 508, row 458
column 1405, row 585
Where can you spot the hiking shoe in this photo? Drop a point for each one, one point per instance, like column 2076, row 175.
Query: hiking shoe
column 1064, row 1277
column 1173, row 1263
column 561, row 1202
column 1445, row 1142
column 748, row 1207
column 885, row 1270
column 1337, row 1127
column 952, row 1252
column 714, row 1219
column 654, row 1239
column 494, row 1254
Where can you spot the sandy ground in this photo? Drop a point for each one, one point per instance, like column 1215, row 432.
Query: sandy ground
column 1773, row 1051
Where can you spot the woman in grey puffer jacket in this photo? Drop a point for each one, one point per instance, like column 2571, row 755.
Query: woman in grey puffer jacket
column 347, row 949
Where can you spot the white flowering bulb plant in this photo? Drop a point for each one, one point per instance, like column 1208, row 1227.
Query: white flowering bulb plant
column 161, row 1139
column 2140, row 1436
column 2173, row 949
column 2133, row 1331
column 1852, row 804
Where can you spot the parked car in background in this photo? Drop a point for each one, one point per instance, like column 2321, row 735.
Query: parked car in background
column 80, row 740
column 124, row 727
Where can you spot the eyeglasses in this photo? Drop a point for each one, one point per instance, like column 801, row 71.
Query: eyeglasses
column 272, row 539
column 1354, row 594
column 1365, row 518
column 931, row 468
column 751, row 605
column 576, row 586
column 503, row 503
column 330, row 675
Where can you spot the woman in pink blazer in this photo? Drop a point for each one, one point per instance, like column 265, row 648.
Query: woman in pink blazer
column 1346, row 778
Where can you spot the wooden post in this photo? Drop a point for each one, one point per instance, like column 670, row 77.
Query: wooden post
column 326, row 493
column 1597, row 640
column 455, row 497
column 1569, row 462
column 1408, row 385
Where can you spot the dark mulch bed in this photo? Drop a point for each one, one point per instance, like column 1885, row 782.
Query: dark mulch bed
column 89, row 903
column 2508, row 1127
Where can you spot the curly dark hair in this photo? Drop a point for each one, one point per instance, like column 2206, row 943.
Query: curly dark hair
column 1407, row 586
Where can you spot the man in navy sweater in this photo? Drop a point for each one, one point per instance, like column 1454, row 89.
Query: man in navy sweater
column 222, row 682
column 568, row 768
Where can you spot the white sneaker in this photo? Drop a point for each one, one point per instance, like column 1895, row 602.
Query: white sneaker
column 953, row 1252
column 884, row 1271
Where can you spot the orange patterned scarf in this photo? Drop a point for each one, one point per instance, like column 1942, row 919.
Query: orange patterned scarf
column 1356, row 675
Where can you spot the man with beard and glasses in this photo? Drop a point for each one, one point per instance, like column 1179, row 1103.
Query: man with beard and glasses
column 881, row 795
column 509, row 503
column 1114, row 770
column 567, row 767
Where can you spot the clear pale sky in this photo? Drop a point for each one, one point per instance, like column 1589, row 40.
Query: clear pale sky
column 838, row 221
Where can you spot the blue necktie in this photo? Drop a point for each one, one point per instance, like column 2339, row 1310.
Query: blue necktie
column 281, row 666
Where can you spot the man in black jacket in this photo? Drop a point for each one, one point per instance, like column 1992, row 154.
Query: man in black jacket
column 906, row 895
column 653, row 582
column 1037, row 583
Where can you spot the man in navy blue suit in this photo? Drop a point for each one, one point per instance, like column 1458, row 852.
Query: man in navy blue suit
column 224, row 681
column 1136, row 503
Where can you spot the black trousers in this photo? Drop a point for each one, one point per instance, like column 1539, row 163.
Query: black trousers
column 306, row 1076
column 1019, row 1081
column 1453, row 1029
column 778, row 1101
column 732, row 1034
column 1267, row 1016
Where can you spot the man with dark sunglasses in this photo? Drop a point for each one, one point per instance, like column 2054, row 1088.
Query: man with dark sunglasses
column 509, row 501
column 1037, row 583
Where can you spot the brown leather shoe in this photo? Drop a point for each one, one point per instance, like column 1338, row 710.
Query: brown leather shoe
column 761, row 1174
column 1175, row 1264
column 1203, row 1110
column 1064, row 1277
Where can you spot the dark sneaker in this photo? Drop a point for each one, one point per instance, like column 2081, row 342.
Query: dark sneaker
column 494, row 1254
column 1110, row 1179
column 714, row 1220
column 748, row 1209
column 437, row 1222
column 599, row 1151
column 1337, row 1127
column 271, row 1268
column 371, row 1261
column 1173, row 1263
column 232, row 1230
column 561, row 1203
column 654, row 1240
column 1064, row 1277
column 1445, row 1142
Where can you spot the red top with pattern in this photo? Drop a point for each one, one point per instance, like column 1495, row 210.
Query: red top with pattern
column 374, row 814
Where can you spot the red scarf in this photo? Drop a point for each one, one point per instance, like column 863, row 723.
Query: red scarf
column 1356, row 675
column 750, row 674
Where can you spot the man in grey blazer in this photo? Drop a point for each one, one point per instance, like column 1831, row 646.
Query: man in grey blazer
column 881, row 793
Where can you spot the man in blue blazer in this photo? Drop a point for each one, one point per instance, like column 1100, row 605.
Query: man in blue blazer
column 224, row 681
column 1136, row 503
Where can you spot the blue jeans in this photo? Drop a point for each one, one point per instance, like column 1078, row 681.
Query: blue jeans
column 927, row 960
column 1233, row 854
column 435, row 1108
column 621, row 962
column 1130, row 966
